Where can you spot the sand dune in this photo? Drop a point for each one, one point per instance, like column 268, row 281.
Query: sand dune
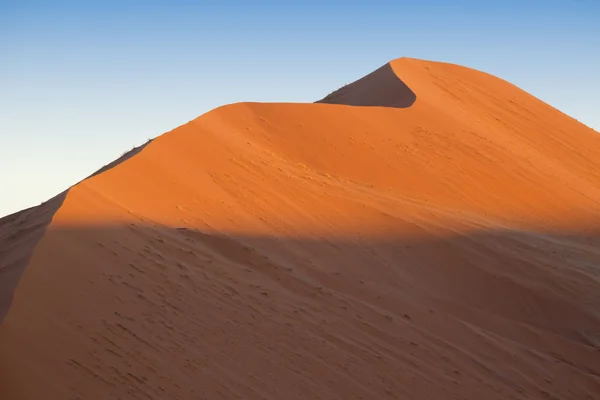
column 439, row 240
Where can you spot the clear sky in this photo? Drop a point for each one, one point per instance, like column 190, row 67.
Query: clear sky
column 83, row 81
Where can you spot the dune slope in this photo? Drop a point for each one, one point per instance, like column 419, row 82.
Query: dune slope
column 441, row 247
column 381, row 88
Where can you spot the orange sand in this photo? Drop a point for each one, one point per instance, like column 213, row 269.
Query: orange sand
column 443, row 247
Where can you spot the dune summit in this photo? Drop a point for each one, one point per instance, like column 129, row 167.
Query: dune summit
column 381, row 88
column 429, row 231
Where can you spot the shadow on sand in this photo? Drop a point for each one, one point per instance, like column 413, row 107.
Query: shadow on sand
column 381, row 88
column 437, row 315
column 20, row 233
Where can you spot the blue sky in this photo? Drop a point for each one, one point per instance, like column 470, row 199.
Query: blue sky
column 83, row 81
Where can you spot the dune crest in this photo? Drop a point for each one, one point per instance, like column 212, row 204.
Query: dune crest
column 381, row 88
column 429, row 231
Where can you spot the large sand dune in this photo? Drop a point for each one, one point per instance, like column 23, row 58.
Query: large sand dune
column 442, row 243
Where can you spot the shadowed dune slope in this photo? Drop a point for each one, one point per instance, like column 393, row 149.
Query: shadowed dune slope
column 443, row 248
column 19, row 235
column 381, row 88
column 21, row 231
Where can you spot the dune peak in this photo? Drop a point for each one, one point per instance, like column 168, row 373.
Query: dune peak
column 381, row 88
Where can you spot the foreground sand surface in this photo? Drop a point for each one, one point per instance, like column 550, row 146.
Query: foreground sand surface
column 440, row 243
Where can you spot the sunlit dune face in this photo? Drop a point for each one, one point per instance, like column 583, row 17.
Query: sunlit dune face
column 429, row 231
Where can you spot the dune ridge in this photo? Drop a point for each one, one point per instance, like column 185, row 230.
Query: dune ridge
column 438, row 240
column 381, row 88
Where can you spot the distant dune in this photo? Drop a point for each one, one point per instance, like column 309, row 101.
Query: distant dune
column 427, row 232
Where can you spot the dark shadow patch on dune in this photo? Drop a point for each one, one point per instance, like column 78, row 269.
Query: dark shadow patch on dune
column 381, row 88
column 20, row 233
column 525, row 296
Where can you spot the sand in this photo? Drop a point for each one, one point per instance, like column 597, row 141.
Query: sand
column 440, row 246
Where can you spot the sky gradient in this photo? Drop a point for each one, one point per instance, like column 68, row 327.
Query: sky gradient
column 82, row 82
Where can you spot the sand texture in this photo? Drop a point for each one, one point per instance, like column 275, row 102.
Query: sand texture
column 427, row 232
